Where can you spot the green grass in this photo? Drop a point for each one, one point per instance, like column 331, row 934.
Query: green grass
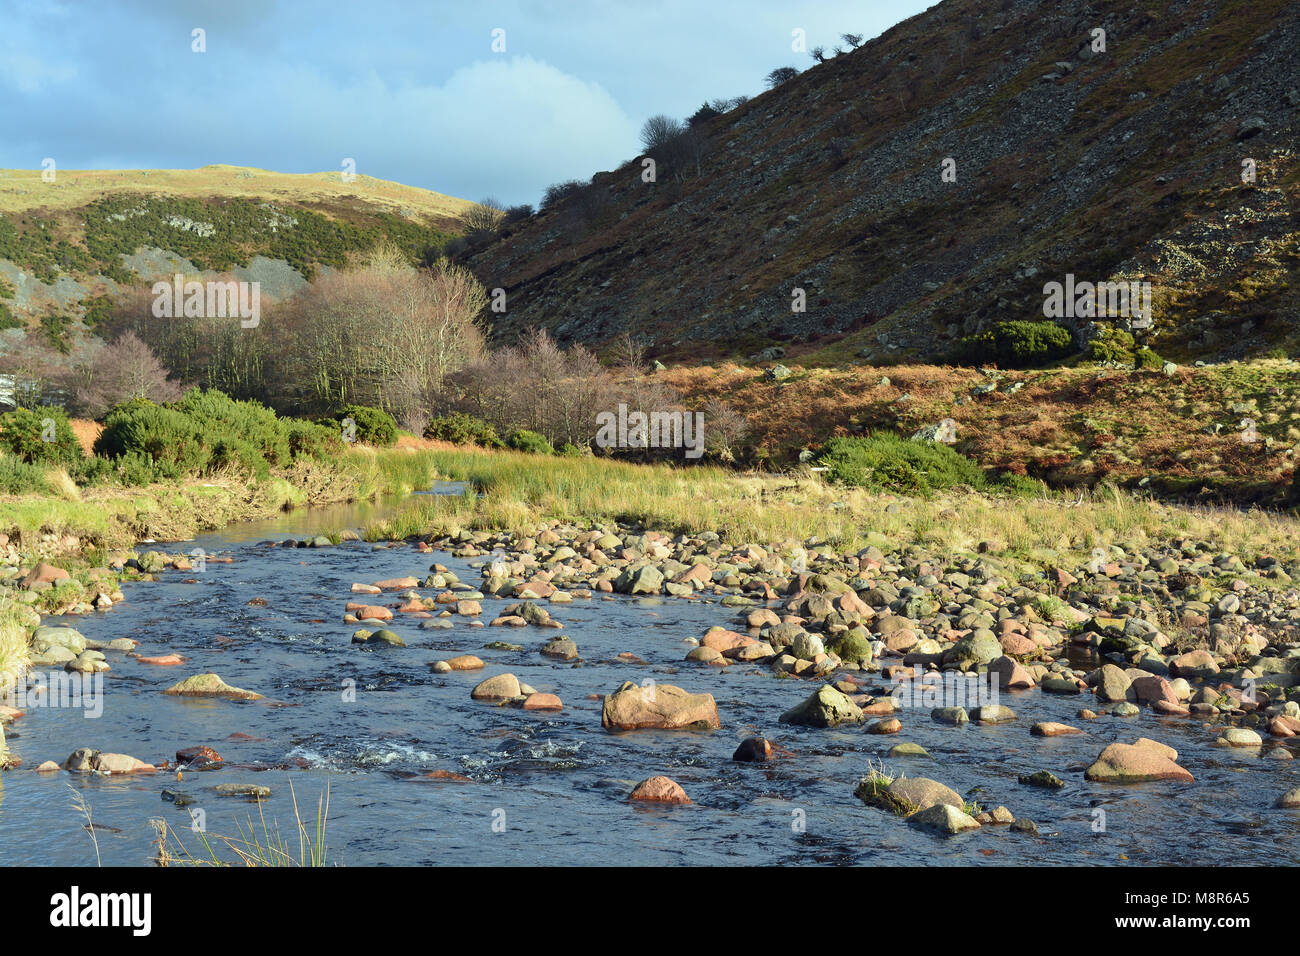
column 260, row 845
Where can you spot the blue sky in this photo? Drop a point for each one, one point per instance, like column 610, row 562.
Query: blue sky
column 413, row 91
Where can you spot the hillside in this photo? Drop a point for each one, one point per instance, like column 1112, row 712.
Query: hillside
column 1121, row 165
column 68, row 246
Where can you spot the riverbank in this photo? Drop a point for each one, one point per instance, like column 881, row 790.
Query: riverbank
column 79, row 531
column 516, row 491
column 852, row 667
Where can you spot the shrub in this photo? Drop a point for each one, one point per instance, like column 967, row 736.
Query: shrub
column 1111, row 345
column 1146, row 358
column 531, row 442
column 313, row 439
column 24, row 433
column 483, row 220
column 8, row 320
column 1019, row 486
column 518, row 213
column 91, row 470
column 1017, row 344
column 374, row 426
column 19, row 478
column 161, row 441
column 887, row 461
column 659, row 131
column 462, row 429
column 556, row 193
column 705, row 112
column 219, row 417
column 780, row 75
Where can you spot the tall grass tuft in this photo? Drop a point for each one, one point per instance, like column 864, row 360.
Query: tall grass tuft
column 260, row 845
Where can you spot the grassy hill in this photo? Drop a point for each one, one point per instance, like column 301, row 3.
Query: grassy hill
column 69, row 245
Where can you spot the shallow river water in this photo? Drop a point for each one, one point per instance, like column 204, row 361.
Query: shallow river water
column 550, row 788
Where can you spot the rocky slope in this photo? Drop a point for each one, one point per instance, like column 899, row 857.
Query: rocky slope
column 1120, row 164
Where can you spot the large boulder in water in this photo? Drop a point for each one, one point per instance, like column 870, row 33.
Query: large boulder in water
column 827, row 707
column 658, row 707
column 647, row 579
column 1136, row 763
column 209, row 685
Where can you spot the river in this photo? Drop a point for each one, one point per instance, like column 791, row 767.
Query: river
column 550, row 788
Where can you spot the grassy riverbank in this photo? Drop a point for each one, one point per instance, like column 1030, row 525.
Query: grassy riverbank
column 517, row 491
column 111, row 517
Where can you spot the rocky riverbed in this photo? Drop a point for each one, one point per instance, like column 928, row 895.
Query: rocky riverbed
column 765, row 703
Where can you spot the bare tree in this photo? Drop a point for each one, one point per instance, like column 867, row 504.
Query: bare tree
column 384, row 339
column 818, row 53
column 659, row 131
column 484, row 219
column 780, row 75
column 854, row 40
column 118, row 372
column 535, row 385
column 629, row 353
column 34, row 370
column 724, row 429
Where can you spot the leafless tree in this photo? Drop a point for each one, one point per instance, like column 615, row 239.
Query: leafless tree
column 384, row 339
column 724, row 429
column 483, row 220
column 118, row 372
column 854, row 40
column 780, row 75
column 34, row 369
column 659, row 131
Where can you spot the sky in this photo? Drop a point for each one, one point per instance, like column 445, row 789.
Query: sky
column 411, row 91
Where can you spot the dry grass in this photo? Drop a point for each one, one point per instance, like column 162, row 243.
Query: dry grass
column 22, row 189
column 86, row 431
column 1069, row 426
column 517, row 492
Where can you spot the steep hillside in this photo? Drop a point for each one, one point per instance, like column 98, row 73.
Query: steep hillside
column 67, row 246
column 1123, row 164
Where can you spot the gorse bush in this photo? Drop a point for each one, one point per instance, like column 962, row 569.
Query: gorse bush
column 168, row 440
column 39, row 436
column 374, row 426
column 1111, row 345
column 887, row 461
column 1017, row 344
column 203, row 433
column 237, row 425
column 314, row 439
column 19, row 478
column 462, row 429
column 531, row 442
